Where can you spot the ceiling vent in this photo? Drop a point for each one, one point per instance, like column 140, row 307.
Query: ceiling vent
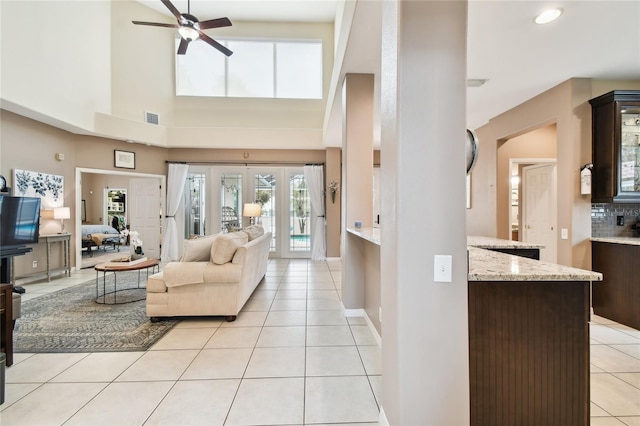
column 151, row 117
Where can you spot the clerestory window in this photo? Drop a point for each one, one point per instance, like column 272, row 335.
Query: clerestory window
column 257, row 69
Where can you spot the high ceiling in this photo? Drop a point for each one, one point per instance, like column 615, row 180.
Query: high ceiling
column 520, row 59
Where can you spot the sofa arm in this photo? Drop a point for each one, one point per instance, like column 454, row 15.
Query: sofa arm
column 184, row 273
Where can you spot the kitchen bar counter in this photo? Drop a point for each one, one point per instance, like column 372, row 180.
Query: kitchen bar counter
column 528, row 328
column 493, row 243
column 370, row 234
column 487, row 265
column 617, row 240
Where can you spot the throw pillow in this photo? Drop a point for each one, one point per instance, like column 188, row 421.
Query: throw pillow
column 226, row 245
column 198, row 249
column 254, row 231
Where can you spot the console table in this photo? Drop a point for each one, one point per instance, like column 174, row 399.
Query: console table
column 49, row 240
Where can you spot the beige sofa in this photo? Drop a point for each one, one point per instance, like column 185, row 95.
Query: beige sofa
column 215, row 277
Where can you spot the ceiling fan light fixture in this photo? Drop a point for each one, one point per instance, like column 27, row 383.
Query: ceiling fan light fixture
column 548, row 15
column 188, row 33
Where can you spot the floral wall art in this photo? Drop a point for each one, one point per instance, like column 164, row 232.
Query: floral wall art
column 35, row 184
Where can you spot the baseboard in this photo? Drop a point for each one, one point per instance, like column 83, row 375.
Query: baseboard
column 373, row 329
column 351, row 313
column 361, row 313
column 333, row 259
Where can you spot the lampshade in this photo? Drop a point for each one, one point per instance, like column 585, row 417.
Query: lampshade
column 62, row 213
column 252, row 210
column 188, row 33
column 46, row 214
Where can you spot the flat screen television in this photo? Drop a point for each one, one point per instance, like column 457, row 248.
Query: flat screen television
column 19, row 221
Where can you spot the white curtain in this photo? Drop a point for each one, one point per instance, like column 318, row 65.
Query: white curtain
column 175, row 188
column 315, row 183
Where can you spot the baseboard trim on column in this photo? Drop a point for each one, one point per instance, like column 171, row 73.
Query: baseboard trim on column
column 361, row 313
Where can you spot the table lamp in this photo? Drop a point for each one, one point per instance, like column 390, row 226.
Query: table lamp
column 62, row 213
column 252, row 210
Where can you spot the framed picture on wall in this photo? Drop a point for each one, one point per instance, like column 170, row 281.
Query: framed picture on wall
column 124, row 159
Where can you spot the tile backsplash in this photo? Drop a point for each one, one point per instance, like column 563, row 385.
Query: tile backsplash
column 604, row 218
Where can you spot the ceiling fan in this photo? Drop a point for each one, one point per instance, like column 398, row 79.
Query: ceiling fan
column 190, row 28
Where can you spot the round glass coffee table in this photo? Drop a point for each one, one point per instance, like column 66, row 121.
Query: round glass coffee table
column 119, row 267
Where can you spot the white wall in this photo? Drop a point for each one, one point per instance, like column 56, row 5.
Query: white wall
column 56, row 58
column 103, row 81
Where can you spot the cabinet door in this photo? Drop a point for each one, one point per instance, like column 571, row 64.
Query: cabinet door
column 616, row 147
column 628, row 127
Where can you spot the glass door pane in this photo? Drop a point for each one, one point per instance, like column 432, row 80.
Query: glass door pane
column 194, row 204
column 230, row 201
column 264, row 191
column 299, row 215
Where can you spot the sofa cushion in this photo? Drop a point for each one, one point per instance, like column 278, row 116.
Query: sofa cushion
column 226, row 245
column 155, row 283
column 227, row 273
column 198, row 249
column 253, row 231
column 183, row 273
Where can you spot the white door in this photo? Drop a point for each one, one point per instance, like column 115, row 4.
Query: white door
column 144, row 216
column 282, row 193
column 539, row 208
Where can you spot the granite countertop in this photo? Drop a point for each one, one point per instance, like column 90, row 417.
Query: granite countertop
column 487, row 265
column 370, row 234
column 496, row 243
column 618, row 240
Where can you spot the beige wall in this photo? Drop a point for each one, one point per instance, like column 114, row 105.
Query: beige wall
column 93, row 193
column 332, row 173
column 567, row 106
column 539, row 143
column 31, row 145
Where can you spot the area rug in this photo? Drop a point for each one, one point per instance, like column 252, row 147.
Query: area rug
column 70, row 320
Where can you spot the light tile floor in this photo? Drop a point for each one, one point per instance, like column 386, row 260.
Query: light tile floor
column 290, row 358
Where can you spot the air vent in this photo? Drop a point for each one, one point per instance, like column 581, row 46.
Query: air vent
column 151, row 117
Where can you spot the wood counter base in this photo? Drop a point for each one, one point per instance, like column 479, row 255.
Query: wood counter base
column 529, row 352
column 617, row 297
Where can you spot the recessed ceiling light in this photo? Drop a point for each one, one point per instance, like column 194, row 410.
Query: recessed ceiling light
column 548, row 16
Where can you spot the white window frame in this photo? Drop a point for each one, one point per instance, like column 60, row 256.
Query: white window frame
column 275, row 42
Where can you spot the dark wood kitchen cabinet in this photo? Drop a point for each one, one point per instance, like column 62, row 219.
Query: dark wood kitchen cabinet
column 616, row 147
column 617, row 297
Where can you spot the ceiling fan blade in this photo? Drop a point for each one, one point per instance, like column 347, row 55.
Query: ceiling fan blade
column 155, row 24
column 172, row 9
column 214, row 23
column 215, row 44
column 182, row 49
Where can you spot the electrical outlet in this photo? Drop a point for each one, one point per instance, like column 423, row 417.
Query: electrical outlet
column 564, row 234
column 35, row 263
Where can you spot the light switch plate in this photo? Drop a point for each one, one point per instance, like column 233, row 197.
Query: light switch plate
column 564, row 233
column 442, row 268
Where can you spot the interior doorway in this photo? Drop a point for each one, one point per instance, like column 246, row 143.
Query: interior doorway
column 539, row 208
column 89, row 202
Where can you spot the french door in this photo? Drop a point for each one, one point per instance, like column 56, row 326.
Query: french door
column 283, row 197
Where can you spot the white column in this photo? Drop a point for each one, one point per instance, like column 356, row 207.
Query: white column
column 425, row 373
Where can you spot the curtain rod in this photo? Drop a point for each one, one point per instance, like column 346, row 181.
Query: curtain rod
column 251, row 163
